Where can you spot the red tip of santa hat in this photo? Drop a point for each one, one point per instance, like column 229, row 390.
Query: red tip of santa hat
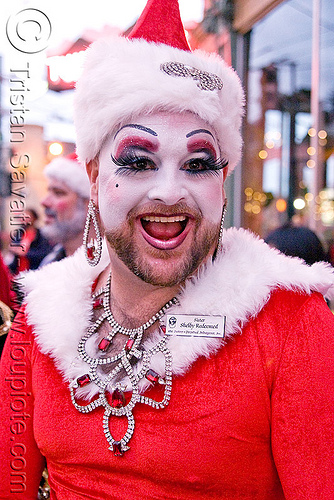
column 160, row 22
column 72, row 156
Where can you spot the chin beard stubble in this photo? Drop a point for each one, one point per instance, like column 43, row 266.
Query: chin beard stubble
column 122, row 241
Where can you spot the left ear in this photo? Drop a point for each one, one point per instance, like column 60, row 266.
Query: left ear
column 225, row 172
column 92, row 168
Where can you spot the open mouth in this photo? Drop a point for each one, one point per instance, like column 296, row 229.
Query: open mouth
column 165, row 232
column 49, row 219
column 49, row 216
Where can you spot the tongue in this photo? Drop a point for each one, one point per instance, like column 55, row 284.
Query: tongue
column 163, row 230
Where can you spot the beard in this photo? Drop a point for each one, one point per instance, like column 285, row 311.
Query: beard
column 122, row 241
column 61, row 231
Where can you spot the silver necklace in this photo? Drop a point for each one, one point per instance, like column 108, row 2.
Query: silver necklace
column 132, row 350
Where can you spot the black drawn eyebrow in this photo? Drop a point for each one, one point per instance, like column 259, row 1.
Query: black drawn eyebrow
column 199, row 131
column 140, row 127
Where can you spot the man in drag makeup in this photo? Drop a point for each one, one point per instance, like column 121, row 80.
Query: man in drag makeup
column 167, row 358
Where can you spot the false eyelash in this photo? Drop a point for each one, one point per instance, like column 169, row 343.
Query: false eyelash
column 127, row 159
column 210, row 165
column 216, row 164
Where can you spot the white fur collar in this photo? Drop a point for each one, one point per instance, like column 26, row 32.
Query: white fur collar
column 237, row 285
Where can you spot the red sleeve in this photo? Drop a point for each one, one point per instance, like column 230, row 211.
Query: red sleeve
column 21, row 462
column 303, row 405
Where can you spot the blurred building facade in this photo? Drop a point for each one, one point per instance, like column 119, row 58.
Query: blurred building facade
column 287, row 171
column 284, row 52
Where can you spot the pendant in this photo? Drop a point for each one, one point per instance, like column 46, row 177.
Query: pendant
column 116, row 405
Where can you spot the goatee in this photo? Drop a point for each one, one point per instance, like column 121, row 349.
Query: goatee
column 124, row 245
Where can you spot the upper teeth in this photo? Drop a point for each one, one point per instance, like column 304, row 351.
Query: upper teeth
column 154, row 218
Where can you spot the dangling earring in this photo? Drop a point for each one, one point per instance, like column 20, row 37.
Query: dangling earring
column 93, row 249
column 221, row 231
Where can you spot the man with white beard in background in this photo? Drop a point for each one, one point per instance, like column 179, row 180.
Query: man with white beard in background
column 65, row 206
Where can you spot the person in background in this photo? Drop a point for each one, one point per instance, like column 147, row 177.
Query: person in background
column 7, row 301
column 170, row 359
column 33, row 247
column 6, row 293
column 65, row 206
column 297, row 241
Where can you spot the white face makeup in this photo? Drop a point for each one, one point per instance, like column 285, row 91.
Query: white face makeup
column 160, row 195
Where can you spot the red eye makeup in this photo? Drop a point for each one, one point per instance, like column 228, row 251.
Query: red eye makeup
column 135, row 142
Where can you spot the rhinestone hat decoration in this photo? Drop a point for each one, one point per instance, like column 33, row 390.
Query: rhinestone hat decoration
column 204, row 79
column 132, row 350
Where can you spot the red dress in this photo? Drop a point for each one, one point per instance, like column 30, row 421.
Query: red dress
column 253, row 421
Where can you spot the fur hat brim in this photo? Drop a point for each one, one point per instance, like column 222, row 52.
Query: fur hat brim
column 123, row 78
column 70, row 173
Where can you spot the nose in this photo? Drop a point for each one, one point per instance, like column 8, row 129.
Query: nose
column 169, row 187
column 46, row 201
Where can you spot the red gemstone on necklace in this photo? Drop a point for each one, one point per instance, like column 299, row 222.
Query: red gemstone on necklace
column 163, row 328
column 104, row 344
column 117, row 449
column 98, row 303
column 91, row 252
column 117, row 399
column 152, row 376
column 83, row 380
column 94, row 285
column 129, row 344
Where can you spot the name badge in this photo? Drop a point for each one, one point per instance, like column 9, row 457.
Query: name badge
column 186, row 325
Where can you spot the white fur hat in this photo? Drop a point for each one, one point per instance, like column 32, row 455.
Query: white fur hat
column 72, row 173
column 126, row 77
